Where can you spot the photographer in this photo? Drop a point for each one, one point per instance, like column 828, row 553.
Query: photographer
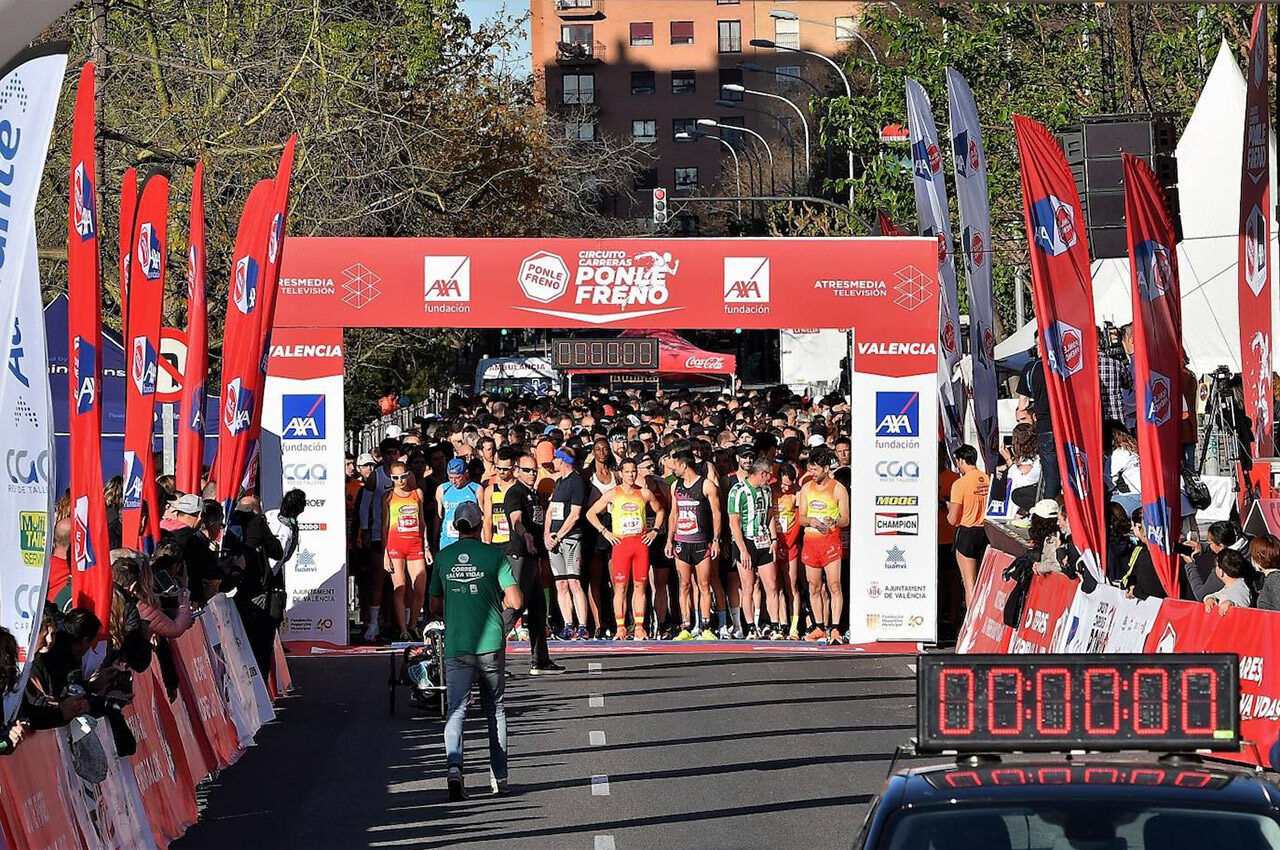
column 47, row 704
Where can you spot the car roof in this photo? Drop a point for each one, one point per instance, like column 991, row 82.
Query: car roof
column 1146, row 779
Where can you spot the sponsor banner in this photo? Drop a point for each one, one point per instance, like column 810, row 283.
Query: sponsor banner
column 810, row 359
column 984, row 629
column 36, row 799
column 303, row 449
column 245, row 687
column 1042, row 627
column 970, row 162
column 892, row 586
column 110, row 813
column 153, row 764
column 1254, row 301
column 1107, row 621
column 202, row 694
column 191, row 408
column 1063, row 293
column 128, row 206
column 1157, row 363
column 935, row 223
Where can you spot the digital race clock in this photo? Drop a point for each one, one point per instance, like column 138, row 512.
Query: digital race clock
column 605, row 355
column 1002, row 703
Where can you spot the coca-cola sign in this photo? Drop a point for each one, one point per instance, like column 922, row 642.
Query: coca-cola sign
column 693, row 361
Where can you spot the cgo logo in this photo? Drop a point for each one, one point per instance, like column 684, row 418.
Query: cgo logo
column 900, row 471
column 305, row 472
column 25, row 468
column 28, row 603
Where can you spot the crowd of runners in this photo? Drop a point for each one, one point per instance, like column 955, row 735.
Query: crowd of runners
column 626, row 515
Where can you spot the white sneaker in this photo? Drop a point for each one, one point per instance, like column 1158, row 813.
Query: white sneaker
column 498, row 786
column 726, row 633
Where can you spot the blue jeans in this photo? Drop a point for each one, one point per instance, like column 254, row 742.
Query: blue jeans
column 459, row 674
column 1050, row 477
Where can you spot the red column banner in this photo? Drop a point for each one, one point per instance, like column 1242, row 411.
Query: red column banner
column 91, row 569
column 191, row 410
column 128, row 206
column 1063, row 293
column 1157, row 361
column 142, row 345
column 1255, row 243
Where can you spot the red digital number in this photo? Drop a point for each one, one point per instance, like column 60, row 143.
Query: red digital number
column 1054, row 775
column 1192, row 779
column 1146, row 776
column 1004, row 701
column 955, row 701
column 1101, row 697
column 1009, row 776
column 1053, row 701
column 1150, row 701
column 1199, row 700
column 1101, row 776
column 963, row 779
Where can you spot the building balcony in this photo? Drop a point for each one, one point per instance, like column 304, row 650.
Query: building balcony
column 570, row 101
column 576, row 8
column 579, row 53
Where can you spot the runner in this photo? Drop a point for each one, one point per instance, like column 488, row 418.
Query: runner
column 822, row 510
column 788, row 547
column 693, row 540
column 524, row 551
column 456, row 491
column 754, row 527
column 407, row 555
column 630, row 539
column 603, row 478
column 659, row 563
column 497, row 529
column 563, row 540
column 965, row 511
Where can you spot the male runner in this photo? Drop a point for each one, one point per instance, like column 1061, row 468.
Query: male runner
column 524, row 551
column 822, row 509
column 563, row 539
column 659, row 563
column 497, row 529
column 630, row 539
column 458, row 490
column 788, row 546
column 693, row 539
column 754, row 527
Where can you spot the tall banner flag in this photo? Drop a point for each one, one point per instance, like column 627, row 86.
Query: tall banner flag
column 191, row 408
column 1255, row 243
column 242, row 355
column 1063, row 295
column 90, row 558
column 29, row 86
column 970, row 162
column 128, row 206
column 935, row 221
column 140, row 511
column 1157, row 362
column 886, row 225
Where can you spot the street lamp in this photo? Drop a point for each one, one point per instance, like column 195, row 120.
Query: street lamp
column 781, row 15
column 737, row 166
column 739, row 106
column 734, row 87
column 711, row 122
column 753, row 68
column 848, row 89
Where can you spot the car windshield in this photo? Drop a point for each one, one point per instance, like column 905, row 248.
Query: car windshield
column 1088, row 825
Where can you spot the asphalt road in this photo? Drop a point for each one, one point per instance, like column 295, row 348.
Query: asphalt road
column 690, row 752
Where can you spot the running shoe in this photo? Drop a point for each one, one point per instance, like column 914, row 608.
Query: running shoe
column 778, row 634
column 835, row 638
column 816, row 635
column 737, row 633
column 582, row 634
column 684, row 634
column 726, row 633
column 639, row 634
column 793, row 635
column 457, row 788
column 547, row 669
column 601, row 634
column 707, row 634
column 566, row 633
column 752, row 634
column 620, row 634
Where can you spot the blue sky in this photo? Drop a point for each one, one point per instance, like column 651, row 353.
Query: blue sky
column 479, row 10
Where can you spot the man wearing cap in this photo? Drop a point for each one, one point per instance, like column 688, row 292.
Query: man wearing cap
column 458, row 490
column 470, row 587
column 562, row 537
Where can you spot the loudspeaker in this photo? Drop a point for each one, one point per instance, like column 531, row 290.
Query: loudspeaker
column 1093, row 150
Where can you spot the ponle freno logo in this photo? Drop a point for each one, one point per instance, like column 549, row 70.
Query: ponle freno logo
column 1054, row 225
column 746, row 284
column 1159, row 399
column 1064, row 345
column 605, row 278
column 446, row 286
column 544, row 277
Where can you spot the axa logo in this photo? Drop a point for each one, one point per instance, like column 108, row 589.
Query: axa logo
column 16, row 353
column 237, row 407
column 132, row 481
column 746, row 280
column 1054, row 223
column 1155, row 269
column 446, row 279
column 142, row 365
column 1155, row 523
column 1077, row 470
column 897, row 414
column 274, row 237
column 81, row 541
column 1064, row 346
column 193, row 258
column 302, row 417
column 84, row 360
column 196, row 422
column 86, row 212
column 245, row 285
column 959, row 147
column 149, row 253
column 926, row 159
column 1158, row 406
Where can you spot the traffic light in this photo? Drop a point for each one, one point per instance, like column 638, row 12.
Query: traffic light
column 659, row 206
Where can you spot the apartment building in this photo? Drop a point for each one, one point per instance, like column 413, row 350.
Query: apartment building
column 648, row 70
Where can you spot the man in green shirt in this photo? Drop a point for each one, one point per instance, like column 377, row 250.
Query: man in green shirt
column 470, row 585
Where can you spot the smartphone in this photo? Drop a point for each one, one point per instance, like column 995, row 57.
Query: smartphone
column 165, row 583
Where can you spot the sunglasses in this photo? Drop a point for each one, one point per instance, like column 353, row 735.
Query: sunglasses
column 399, row 477
column 504, row 468
column 529, row 469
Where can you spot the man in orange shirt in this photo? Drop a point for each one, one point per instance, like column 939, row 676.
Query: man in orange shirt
column 950, row 591
column 966, row 510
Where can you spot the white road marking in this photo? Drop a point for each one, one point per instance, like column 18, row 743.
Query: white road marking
column 595, row 667
column 596, row 700
column 600, row 786
column 597, row 738
column 604, row 842
column 912, row 667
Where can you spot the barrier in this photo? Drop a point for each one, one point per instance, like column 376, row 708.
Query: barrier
column 148, row 799
column 1057, row 617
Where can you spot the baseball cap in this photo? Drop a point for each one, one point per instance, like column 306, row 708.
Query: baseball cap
column 466, row 517
column 366, row 459
column 457, row 466
column 816, row 440
column 562, row 455
column 633, row 420
column 544, row 452
column 394, row 432
column 1045, row 509
column 746, row 453
column 188, row 503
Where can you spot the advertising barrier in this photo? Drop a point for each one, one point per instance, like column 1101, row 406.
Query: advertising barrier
column 148, row 799
column 1058, row 617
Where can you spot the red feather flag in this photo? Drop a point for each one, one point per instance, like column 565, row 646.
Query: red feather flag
column 191, row 410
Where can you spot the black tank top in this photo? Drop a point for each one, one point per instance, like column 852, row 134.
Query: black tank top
column 692, row 512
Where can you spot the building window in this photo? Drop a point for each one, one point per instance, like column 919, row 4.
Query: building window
column 641, row 33
column 730, row 76
column 577, row 33
column 579, row 88
column 786, row 33
column 574, row 4
column 684, row 125
column 683, row 82
column 646, row 178
column 682, row 32
column 846, row 28
column 733, row 137
column 727, row 2
column 644, row 130
column 686, row 179
column 580, row 131
column 643, row 82
column 730, row 36
column 787, row 76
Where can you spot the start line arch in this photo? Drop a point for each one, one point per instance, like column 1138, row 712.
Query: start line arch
column 884, row 289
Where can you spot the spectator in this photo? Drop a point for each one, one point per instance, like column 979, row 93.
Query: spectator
column 11, row 736
column 1265, row 553
column 1115, row 379
column 1033, row 402
column 1201, row 571
column 1187, row 433
column 480, row 585
column 1235, row 590
column 59, row 569
column 198, row 524
column 113, row 495
column 284, row 525
column 965, row 511
column 260, row 595
column 1122, row 470
column 1141, row 579
column 129, row 640
column 46, row 703
column 133, row 574
column 1120, row 543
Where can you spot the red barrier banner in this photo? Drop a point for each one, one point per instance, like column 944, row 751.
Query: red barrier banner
column 984, row 629
column 1250, row 633
column 204, row 701
column 281, row 681
column 154, row 767
column 1063, row 293
column 34, row 796
column 191, row 410
column 189, row 758
column 1044, row 614
column 1254, row 273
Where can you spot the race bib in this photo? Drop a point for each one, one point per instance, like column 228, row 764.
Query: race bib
column 761, row 540
column 687, row 520
column 785, row 521
column 538, row 514
column 407, row 519
column 556, row 511
column 630, row 524
column 501, row 525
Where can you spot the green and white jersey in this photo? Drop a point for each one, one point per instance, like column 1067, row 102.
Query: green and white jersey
column 752, row 505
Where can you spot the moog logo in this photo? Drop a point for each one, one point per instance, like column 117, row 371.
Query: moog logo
column 897, row 414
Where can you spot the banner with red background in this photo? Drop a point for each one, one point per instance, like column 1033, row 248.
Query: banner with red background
column 1254, row 273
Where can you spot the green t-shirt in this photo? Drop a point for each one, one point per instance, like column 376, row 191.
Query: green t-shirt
column 471, row 577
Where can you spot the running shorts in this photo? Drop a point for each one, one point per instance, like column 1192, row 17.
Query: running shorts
column 758, row 555
column 566, row 559
column 821, row 549
column 789, row 545
column 409, row 548
column 971, row 541
column 630, row 561
column 692, row 553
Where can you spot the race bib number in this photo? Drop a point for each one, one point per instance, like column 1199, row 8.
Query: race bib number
column 501, row 525
column 407, row 519
column 538, row 514
column 630, row 524
column 761, row 540
column 687, row 520
column 556, row 511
